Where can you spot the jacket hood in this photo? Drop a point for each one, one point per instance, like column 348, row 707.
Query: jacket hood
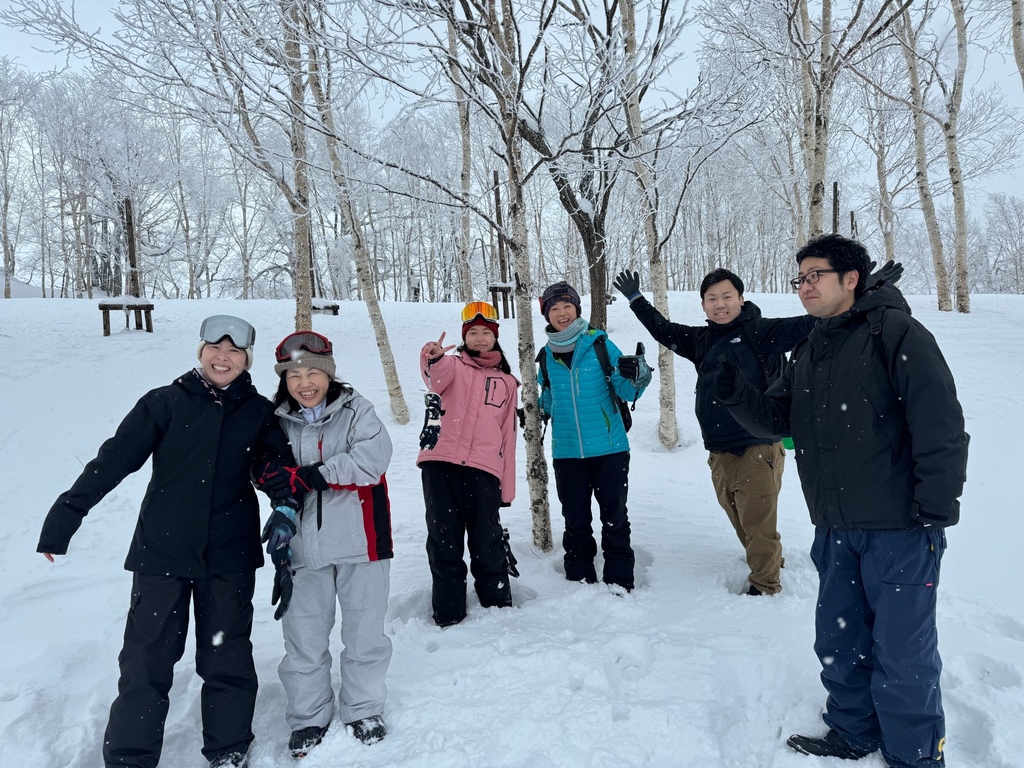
column 881, row 296
column 242, row 387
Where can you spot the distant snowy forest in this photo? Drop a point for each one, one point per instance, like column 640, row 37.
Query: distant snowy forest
column 427, row 150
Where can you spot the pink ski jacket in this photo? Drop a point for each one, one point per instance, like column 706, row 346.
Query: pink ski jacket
column 478, row 427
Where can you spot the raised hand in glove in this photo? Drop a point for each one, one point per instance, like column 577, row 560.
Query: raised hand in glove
column 431, row 421
column 890, row 272
column 729, row 381
column 627, row 283
column 635, row 368
column 306, row 479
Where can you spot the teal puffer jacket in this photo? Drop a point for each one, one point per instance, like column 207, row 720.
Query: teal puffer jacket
column 584, row 420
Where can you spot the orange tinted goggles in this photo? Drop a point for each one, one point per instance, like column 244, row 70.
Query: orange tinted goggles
column 484, row 309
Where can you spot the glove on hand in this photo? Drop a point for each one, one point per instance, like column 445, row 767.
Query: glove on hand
column 431, row 421
column 891, row 272
column 280, row 528
column 303, row 480
column 728, row 381
column 272, row 479
column 282, row 587
column 627, row 283
column 635, row 368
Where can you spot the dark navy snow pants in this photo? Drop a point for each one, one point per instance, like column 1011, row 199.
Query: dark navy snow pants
column 154, row 639
column 463, row 503
column 876, row 638
column 606, row 478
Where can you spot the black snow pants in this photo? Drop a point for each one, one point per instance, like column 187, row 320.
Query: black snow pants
column 463, row 503
column 607, row 479
column 154, row 640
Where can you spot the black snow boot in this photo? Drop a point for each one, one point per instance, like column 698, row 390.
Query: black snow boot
column 369, row 730
column 832, row 745
column 304, row 739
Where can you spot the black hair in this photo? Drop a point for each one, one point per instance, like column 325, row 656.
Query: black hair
column 334, row 390
column 503, row 365
column 718, row 276
column 842, row 253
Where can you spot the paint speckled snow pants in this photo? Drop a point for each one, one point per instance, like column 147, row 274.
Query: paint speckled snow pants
column 876, row 638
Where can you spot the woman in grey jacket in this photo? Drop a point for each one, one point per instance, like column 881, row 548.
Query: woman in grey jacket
column 341, row 549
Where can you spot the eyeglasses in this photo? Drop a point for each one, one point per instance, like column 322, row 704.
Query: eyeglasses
column 810, row 278
column 302, row 341
column 218, row 327
column 484, row 309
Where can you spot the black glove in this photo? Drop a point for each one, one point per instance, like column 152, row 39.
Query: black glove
column 891, row 272
column 280, row 528
column 431, row 421
column 728, row 381
column 272, row 479
column 510, row 559
column 282, row 587
column 303, row 480
column 634, row 368
column 627, row 283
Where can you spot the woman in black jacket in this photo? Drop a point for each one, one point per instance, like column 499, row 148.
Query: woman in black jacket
column 197, row 541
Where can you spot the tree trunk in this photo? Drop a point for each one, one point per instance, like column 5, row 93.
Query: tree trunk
column 668, row 429
column 399, row 409
column 921, row 160
column 1017, row 32
column 949, row 132
column 465, row 275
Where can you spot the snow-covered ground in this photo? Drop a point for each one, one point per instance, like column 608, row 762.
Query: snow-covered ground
column 682, row 672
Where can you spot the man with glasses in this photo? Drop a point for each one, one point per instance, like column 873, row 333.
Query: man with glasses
column 746, row 469
column 882, row 456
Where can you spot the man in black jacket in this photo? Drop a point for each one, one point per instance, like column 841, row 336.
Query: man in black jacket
column 197, row 541
column 882, row 456
column 746, row 469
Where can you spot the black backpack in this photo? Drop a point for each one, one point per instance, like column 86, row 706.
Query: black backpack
column 601, row 349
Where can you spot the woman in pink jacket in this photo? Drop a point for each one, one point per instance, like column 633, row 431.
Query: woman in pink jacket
column 470, row 471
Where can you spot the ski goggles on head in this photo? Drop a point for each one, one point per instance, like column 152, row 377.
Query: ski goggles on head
column 216, row 328
column 303, row 341
column 484, row 309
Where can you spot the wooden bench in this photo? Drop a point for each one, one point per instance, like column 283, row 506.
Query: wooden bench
column 325, row 308
column 138, row 307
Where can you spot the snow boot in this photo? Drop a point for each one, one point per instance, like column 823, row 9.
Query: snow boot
column 369, row 730
column 304, row 739
column 230, row 760
column 832, row 745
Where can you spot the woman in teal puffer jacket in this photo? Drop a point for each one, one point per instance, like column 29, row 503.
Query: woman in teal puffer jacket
column 589, row 446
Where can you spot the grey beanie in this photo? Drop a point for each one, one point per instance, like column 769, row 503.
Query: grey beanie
column 305, row 359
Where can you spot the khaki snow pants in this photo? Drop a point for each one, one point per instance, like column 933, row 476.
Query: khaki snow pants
column 748, row 488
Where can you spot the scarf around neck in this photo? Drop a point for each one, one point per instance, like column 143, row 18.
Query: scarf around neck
column 565, row 340
column 486, row 359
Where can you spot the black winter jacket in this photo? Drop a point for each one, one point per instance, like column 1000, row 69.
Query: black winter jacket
column 879, row 436
column 200, row 516
column 703, row 346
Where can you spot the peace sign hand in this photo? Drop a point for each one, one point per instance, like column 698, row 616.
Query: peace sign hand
column 436, row 349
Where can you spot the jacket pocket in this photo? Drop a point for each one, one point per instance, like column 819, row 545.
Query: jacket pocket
column 496, row 391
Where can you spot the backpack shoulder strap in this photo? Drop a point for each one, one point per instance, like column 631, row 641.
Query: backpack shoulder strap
column 748, row 334
column 601, row 349
column 542, row 361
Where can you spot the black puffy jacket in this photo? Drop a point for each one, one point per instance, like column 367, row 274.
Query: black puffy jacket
column 200, row 516
column 704, row 345
column 879, row 432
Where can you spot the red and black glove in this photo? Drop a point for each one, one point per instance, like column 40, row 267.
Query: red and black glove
column 303, row 480
column 273, row 479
